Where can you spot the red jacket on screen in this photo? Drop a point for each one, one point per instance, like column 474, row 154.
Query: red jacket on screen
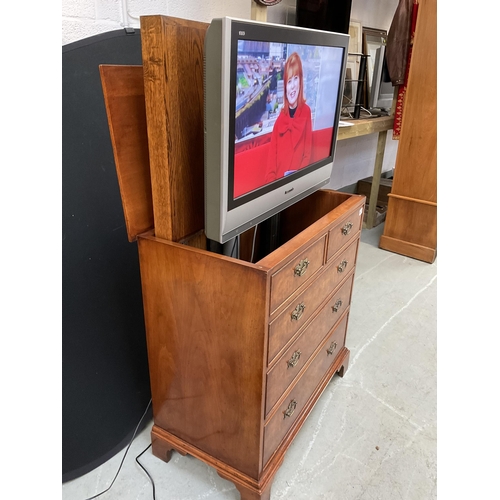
column 291, row 143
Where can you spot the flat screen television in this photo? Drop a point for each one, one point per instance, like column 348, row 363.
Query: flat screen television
column 272, row 105
column 381, row 92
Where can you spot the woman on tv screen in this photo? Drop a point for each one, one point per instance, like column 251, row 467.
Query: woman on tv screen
column 276, row 131
column 291, row 139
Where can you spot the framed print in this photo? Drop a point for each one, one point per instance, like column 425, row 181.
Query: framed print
column 373, row 38
column 355, row 43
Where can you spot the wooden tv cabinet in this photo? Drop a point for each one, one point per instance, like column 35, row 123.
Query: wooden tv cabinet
column 239, row 352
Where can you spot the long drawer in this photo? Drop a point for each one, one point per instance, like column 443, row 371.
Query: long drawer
column 297, row 314
column 296, row 356
column 281, row 422
column 288, row 322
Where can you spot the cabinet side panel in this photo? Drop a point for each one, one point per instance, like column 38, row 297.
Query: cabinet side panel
column 205, row 325
column 415, row 172
column 172, row 53
column 413, row 222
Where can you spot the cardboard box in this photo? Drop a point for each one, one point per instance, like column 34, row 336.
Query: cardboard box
column 365, row 186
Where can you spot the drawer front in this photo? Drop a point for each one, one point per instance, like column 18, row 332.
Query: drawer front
column 296, row 272
column 292, row 407
column 296, row 356
column 344, row 231
column 297, row 314
column 344, row 262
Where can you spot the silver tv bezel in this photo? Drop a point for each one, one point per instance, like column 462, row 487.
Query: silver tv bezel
column 221, row 222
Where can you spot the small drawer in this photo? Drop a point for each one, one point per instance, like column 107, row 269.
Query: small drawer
column 335, row 342
column 296, row 272
column 343, row 263
column 344, row 231
column 296, row 356
column 297, row 314
column 292, row 407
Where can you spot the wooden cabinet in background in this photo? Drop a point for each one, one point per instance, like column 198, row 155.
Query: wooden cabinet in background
column 411, row 220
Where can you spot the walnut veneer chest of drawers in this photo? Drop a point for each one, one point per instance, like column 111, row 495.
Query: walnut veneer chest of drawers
column 240, row 352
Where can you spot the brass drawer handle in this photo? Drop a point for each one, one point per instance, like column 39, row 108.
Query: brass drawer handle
column 298, row 312
column 347, row 228
column 332, row 348
column 301, row 267
column 337, row 306
column 294, row 359
column 342, row 266
column 291, row 408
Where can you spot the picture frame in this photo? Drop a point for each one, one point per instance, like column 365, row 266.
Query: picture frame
column 372, row 38
column 356, row 38
column 352, row 67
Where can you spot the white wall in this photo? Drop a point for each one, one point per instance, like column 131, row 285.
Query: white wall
column 374, row 14
column 355, row 157
column 84, row 18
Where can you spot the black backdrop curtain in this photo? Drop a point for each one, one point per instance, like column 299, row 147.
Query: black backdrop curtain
column 104, row 361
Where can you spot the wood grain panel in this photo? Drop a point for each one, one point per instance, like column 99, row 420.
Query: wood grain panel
column 164, row 442
column 411, row 220
column 365, row 126
column 343, row 232
column 283, row 328
column 280, row 424
column 344, row 262
column 413, row 250
column 206, row 341
column 172, row 51
column 301, row 215
column 287, row 368
column 308, row 219
column 123, row 89
column 287, row 279
column 415, row 172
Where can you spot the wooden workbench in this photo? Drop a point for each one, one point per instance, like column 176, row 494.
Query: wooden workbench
column 361, row 127
column 367, row 126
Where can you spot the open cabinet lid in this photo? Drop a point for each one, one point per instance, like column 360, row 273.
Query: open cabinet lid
column 123, row 88
column 155, row 116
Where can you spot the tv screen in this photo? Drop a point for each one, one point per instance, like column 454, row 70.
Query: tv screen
column 289, row 116
column 272, row 103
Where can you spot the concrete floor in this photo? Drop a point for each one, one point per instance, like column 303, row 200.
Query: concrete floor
column 372, row 434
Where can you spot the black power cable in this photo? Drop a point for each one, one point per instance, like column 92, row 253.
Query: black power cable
column 253, row 242
column 123, row 459
column 144, row 469
column 234, row 245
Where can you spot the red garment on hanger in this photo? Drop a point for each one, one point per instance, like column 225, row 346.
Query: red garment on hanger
column 398, row 113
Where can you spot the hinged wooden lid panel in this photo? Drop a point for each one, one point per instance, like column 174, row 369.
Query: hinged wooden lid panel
column 123, row 88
